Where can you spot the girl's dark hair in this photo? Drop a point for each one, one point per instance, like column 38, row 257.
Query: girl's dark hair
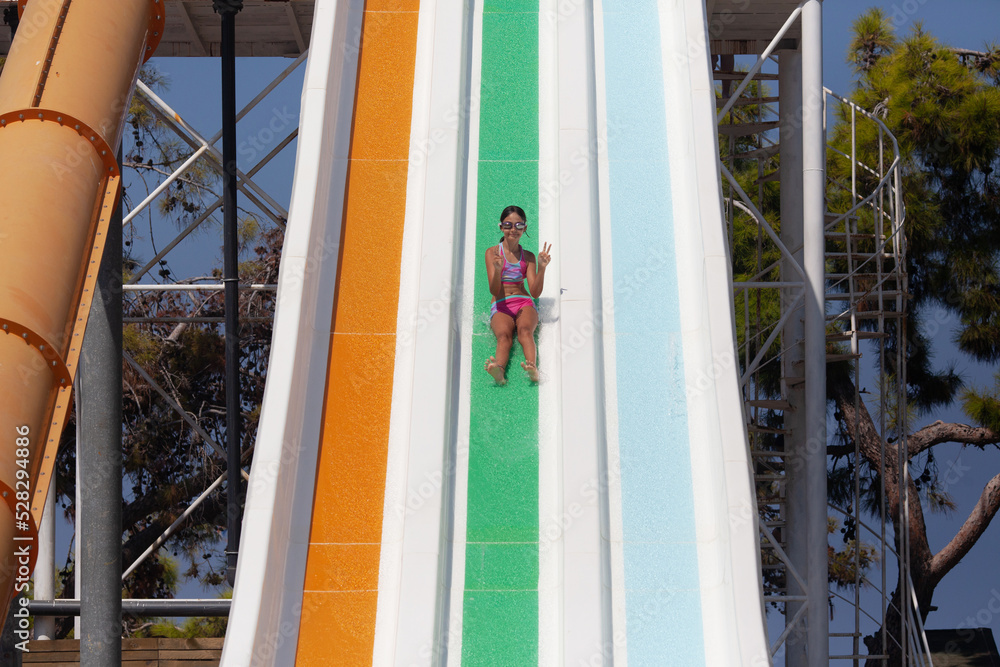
column 514, row 209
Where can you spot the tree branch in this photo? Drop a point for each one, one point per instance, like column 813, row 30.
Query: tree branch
column 941, row 432
column 871, row 445
column 973, row 528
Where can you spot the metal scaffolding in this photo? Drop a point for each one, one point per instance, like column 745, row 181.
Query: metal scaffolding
column 138, row 283
column 770, row 184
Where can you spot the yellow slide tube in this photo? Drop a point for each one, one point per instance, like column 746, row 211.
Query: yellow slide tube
column 63, row 96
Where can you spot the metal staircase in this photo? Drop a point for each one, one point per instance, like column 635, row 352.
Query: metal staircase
column 865, row 296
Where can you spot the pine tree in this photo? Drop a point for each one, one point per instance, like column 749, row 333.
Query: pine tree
column 943, row 106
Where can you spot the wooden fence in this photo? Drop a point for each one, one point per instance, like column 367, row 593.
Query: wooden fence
column 135, row 653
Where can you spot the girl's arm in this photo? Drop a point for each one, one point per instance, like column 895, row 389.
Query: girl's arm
column 536, row 270
column 494, row 270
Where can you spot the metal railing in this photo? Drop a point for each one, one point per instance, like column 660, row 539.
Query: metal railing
column 866, row 281
column 866, row 289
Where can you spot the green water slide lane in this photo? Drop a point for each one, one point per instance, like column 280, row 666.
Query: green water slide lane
column 500, row 616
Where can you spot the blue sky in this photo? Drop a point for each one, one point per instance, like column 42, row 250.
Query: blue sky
column 969, row 591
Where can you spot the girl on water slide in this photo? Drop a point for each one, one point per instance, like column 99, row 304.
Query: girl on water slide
column 508, row 265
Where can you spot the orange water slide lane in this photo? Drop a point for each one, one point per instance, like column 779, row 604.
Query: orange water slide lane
column 341, row 582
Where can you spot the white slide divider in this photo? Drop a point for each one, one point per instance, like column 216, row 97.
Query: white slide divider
column 267, row 600
column 415, row 565
column 550, row 431
column 586, row 636
column 726, row 510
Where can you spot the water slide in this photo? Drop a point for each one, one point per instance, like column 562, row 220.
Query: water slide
column 403, row 509
column 63, row 95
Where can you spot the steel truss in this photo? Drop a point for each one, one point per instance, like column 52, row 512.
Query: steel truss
column 865, row 291
column 252, row 191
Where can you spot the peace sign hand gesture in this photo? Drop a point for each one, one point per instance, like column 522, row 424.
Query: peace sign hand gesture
column 497, row 259
column 543, row 256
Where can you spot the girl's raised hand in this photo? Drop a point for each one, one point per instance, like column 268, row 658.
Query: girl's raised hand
column 497, row 259
column 543, row 255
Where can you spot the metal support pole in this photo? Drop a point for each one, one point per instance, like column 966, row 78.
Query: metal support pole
column 100, row 462
column 228, row 10
column 813, row 190
column 796, row 489
column 45, row 566
column 174, row 608
column 77, row 504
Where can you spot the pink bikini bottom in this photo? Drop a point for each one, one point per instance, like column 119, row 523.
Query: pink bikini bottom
column 511, row 305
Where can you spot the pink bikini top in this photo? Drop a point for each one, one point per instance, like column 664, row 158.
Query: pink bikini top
column 512, row 274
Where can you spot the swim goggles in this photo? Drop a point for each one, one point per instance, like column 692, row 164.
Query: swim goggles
column 513, row 225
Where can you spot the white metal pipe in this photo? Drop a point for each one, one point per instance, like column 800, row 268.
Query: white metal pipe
column 163, row 186
column 762, row 221
column 265, row 92
column 208, row 211
column 247, row 188
column 202, row 217
column 813, row 188
column 760, row 61
column 171, row 117
column 844, row 100
column 854, row 153
column 45, row 565
column 789, row 626
column 173, row 527
column 274, row 151
column 785, row 316
column 781, row 554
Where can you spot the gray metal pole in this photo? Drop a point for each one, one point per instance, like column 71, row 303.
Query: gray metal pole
column 77, row 502
column 814, row 205
column 100, row 464
column 212, row 607
column 796, row 489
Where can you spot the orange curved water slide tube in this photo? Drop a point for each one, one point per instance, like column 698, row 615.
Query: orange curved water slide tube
column 63, row 96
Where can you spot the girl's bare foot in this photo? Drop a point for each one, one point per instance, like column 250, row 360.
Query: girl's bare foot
column 531, row 370
column 496, row 370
